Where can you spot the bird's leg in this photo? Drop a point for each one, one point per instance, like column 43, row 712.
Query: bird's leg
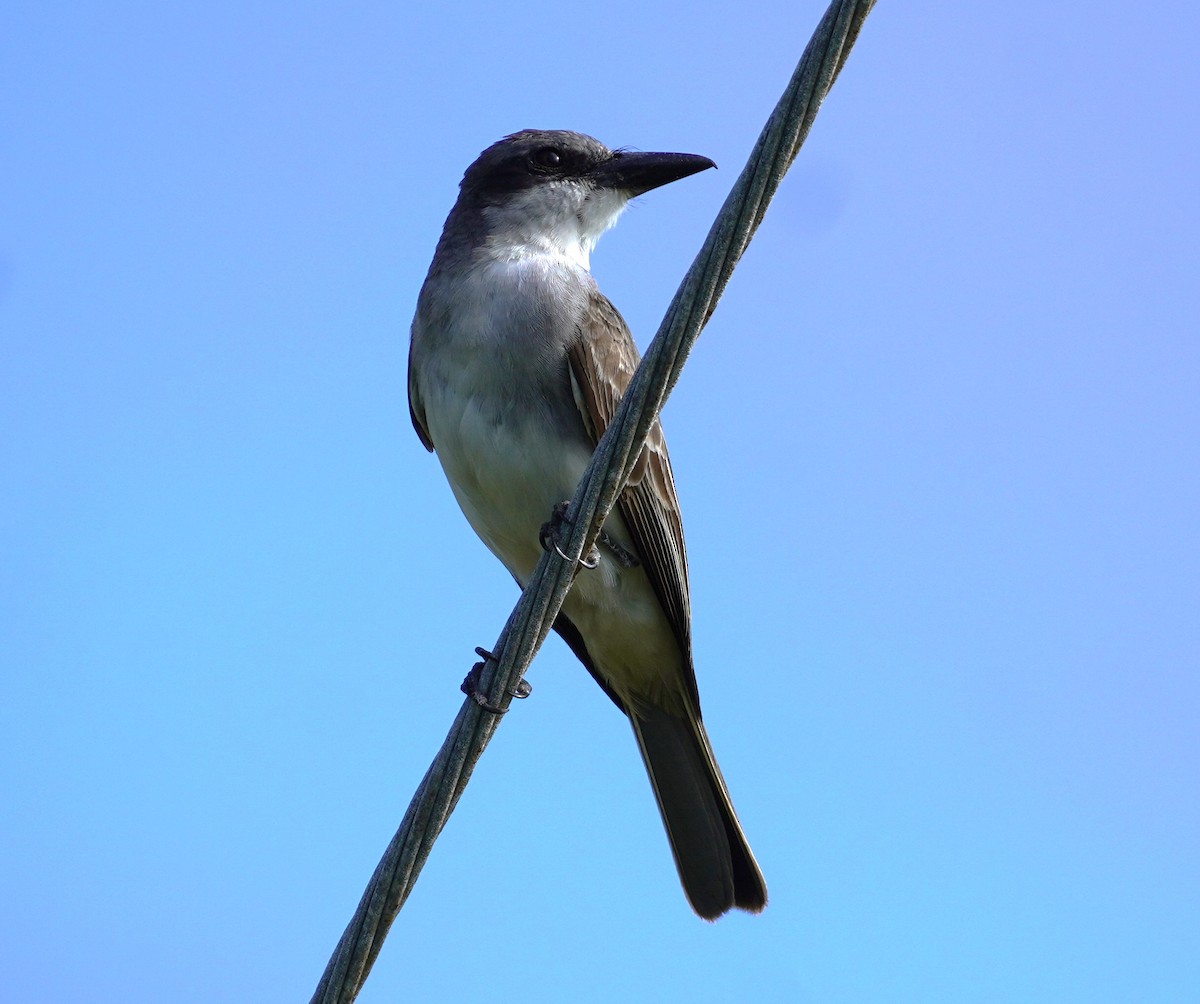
column 551, row 534
column 470, row 686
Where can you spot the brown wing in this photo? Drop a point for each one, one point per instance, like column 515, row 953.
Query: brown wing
column 415, row 410
column 603, row 359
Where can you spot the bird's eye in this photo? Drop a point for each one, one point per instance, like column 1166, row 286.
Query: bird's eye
column 547, row 158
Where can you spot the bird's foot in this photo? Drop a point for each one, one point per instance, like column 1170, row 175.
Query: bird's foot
column 470, row 686
column 624, row 557
column 551, row 533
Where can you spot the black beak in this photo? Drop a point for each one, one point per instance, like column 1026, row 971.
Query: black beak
column 637, row 173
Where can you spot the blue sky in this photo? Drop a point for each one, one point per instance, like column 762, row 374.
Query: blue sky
column 937, row 454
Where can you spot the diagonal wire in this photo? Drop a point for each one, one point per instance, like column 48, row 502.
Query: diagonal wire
column 603, row 480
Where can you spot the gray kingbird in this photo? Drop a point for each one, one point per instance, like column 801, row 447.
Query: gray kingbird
column 515, row 369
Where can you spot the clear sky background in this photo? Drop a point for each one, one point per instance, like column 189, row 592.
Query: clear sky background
column 937, row 453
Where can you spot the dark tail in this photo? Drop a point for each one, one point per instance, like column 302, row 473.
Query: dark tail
column 716, row 865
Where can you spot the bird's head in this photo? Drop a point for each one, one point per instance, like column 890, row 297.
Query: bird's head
column 554, row 192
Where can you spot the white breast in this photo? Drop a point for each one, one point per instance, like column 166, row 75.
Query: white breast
column 498, row 405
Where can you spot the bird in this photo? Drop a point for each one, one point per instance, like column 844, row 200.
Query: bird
column 516, row 365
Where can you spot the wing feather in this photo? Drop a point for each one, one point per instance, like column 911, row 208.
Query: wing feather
column 416, row 410
column 603, row 359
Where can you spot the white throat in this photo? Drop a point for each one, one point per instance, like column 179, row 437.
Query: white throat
column 561, row 219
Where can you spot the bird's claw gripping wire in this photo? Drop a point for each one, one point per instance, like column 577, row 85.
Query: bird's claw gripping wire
column 470, row 686
column 551, row 533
